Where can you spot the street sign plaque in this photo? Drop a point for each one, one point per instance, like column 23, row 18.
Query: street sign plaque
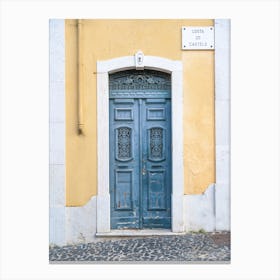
column 198, row 38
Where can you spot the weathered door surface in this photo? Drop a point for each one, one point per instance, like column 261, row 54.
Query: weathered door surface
column 140, row 149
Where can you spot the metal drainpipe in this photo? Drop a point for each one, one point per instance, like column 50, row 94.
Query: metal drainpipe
column 80, row 86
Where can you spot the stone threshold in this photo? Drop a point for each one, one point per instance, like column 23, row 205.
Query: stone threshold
column 138, row 232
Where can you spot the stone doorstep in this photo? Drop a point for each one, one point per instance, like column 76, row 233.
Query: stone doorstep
column 137, row 232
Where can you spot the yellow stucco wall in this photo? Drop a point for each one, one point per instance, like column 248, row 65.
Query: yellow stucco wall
column 107, row 39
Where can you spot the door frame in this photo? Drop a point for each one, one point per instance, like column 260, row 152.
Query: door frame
column 104, row 68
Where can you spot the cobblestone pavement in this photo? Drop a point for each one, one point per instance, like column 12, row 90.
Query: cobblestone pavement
column 191, row 247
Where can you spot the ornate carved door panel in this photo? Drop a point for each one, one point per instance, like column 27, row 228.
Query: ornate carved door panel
column 140, row 149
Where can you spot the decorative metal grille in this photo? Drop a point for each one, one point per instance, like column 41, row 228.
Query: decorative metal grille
column 124, row 143
column 133, row 80
column 156, row 142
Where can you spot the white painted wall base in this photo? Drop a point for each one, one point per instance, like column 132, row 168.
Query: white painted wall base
column 73, row 225
column 81, row 223
column 57, row 225
column 222, row 208
column 200, row 210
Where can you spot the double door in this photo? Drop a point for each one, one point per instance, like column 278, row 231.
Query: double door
column 140, row 163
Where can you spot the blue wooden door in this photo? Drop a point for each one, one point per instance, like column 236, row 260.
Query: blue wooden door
column 140, row 149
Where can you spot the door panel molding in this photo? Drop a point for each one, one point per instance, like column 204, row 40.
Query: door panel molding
column 104, row 68
column 122, row 203
column 156, row 199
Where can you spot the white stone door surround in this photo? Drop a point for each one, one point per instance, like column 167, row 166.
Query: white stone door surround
column 104, row 68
